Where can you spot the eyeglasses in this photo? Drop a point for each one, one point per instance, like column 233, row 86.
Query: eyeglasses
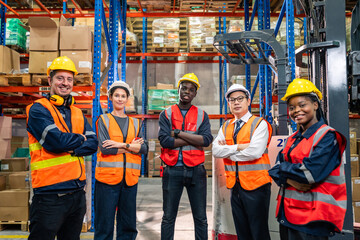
column 239, row 99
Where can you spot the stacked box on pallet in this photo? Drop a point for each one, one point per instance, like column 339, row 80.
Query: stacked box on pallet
column 201, row 34
column 131, row 41
column 5, row 136
column 14, row 200
column 9, row 62
column 154, row 161
column 165, row 35
column 161, row 97
column 236, row 25
column 15, row 34
column 355, row 175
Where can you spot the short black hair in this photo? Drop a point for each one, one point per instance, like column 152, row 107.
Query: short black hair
column 114, row 88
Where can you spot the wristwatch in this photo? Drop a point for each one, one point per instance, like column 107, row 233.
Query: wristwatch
column 176, row 133
column 127, row 145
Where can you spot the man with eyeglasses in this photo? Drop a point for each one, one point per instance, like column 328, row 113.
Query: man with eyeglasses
column 242, row 143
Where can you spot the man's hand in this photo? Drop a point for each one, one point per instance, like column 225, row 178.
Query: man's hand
column 299, row 186
column 241, row 147
column 172, row 134
column 113, row 144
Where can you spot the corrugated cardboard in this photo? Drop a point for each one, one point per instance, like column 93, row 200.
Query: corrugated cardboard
column 44, row 34
column 355, row 189
column 5, row 149
column 82, row 60
column 5, row 59
column 19, row 180
column 75, row 38
column 15, row 61
column 14, row 213
column 356, row 207
column 14, row 198
column 2, row 182
column 14, row 164
column 5, row 127
column 40, row 61
column 355, row 171
column 353, row 143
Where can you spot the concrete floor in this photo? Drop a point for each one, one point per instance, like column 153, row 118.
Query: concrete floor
column 149, row 214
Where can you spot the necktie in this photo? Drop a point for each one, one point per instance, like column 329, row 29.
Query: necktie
column 237, row 128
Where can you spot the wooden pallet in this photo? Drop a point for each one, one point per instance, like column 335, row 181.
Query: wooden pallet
column 203, row 49
column 15, row 80
column 79, row 80
column 164, row 49
column 6, row 224
column 153, row 173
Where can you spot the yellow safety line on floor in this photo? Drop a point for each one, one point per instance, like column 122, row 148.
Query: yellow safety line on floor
column 26, row 236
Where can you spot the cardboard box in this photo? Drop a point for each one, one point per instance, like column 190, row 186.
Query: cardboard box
column 355, row 171
column 5, row 59
column 14, row 164
column 2, row 182
column 353, row 143
column 14, row 213
column 44, row 34
column 5, row 127
column 19, row 180
column 19, row 142
column 82, row 60
column 356, row 209
column 15, row 61
column 5, row 149
column 355, row 189
column 40, row 61
column 14, row 198
column 75, row 38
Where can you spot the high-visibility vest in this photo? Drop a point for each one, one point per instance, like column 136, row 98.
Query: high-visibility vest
column 48, row 168
column 110, row 169
column 251, row 174
column 192, row 156
column 326, row 201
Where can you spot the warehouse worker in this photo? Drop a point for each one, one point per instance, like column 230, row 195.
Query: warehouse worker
column 184, row 131
column 59, row 137
column 309, row 170
column 242, row 143
column 118, row 168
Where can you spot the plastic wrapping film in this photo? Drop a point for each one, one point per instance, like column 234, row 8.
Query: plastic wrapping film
column 165, row 32
column 201, row 31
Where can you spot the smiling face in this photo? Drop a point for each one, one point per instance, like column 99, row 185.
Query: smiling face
column 119, row 99
column 61, row 83
column 187, row 92
column 238, row 104
column 303, row 111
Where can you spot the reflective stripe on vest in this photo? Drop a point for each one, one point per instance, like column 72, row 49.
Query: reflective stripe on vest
column 55, row 161
column 315, row 202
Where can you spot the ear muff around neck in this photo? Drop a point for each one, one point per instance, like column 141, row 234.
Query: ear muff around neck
column 60, row 101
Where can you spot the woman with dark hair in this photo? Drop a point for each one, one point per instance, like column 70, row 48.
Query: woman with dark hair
column 309, row 170
column 118, row 168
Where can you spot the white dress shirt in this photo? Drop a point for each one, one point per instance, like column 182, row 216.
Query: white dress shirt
column 252, row 152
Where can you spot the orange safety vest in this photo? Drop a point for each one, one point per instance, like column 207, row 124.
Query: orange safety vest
column 110, row 169
column 48, row 168
column 252, row 174
column 192, row 156
column 326, row 201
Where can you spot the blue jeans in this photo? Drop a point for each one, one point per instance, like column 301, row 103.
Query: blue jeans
column 173, row 183
column 57, row 215
column 107, row 199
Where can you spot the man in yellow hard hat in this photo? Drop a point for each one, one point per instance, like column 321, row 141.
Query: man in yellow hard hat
column 184, row 131
column 59, row 137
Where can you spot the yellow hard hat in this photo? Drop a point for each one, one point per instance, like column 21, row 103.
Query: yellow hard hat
column 62, row 63
column 300, row 87
column 191, row 77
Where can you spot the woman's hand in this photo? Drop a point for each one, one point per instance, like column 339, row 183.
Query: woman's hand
column 113, row 144
column 299, row 186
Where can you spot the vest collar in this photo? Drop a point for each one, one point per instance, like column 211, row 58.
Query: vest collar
column 311, row 130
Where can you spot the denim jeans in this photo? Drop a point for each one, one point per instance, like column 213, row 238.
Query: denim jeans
column 173, row 183
column 53, row 215
column 108, row 198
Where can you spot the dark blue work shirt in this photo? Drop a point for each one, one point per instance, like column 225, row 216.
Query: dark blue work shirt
column 41, row 126
column 324, row 159
column 166, row 141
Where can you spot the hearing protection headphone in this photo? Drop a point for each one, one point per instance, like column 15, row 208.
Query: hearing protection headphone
column 60, row 101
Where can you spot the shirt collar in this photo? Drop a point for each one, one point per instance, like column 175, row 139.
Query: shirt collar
column 311, row 130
